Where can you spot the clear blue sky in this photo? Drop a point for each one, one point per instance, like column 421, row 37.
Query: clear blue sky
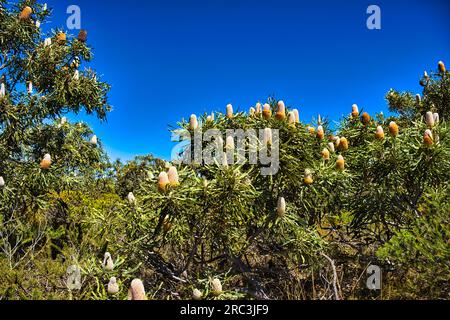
column 168, row 59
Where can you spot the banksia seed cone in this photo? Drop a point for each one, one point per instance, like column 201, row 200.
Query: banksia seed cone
column 163, row 181
column 46, row 162
column 436, row 118
column 379, row 134
column 137, row 290
column 61, row 37
column 196, row 294
column 355, row 111
column 193, row 123
column 113, row 286
column 307, row 179
column 325, row 154
column 82, row 35
column 267, row 136
column 393, row 128
column 172, row 174
column 216, row 287
column 429, row 119
column 2, row 182
column 365, row 118
column 131, row 198
column 25, row 13
column 108, row 263
column 428, row 138
column 297, row 116
column 230, row 111
column 94, row 140
column 281, row 112
column 340, row 163
column 343, row 144
column 331, row 146
column 441, row 67
column 320, row 133
column 267, row 112
column 281, row 206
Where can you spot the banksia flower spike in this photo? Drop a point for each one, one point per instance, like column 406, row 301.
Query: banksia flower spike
column 172, row 174
column 47, row 42
column 436, row 118
column 82, row 35
column 291, row 119
column 230, row 114
column 340, row 163
column 193, row 122
column 163, row 181
column 258, row 109
column 393, row 128
column 94, row 140
column 281, row 206
column 252, row 112
column 355, row 111
column 281, row 111
column 196, row 294
column 38, row 24
column 216, row 287
column 307, row 179
column 331, row 147
column 343, row 144
column 325, row 154
column 267, row 112
column 30, row 87
column 441, row 67
column 365, row 118
column 61, row 38
column 2, row 90
column 25, row 13
column 46, row 162
column 320, row 133
column 76, row 75
column 63, row 121
column 2, row 182
column 297, row 116
column 224, row 161
column 137, row 290
column 267, row 137
column 311, row 130
column 429, row 119
column 108, row 263
column 131, row 198
column 428, row 138
column 379, row 134
column 229, row 144
column 113, row 286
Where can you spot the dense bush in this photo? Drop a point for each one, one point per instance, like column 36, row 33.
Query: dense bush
column 372, row 191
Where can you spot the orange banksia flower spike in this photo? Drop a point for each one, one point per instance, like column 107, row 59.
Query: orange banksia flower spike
column 320, row 133
column 46, row 162
column 307, row 179
column 281, row 112
column 163, row 181
column 25, row 13
column 343, row 144
column 172, row 174
column 428, row 138
column 355, row 111
column 393, row 128
column 365, row 118
column 441, row 67
column 325, row 154
column 61, row 38
column 340, row 163
column 230, row 114
column 379, row 134
column 267, row 112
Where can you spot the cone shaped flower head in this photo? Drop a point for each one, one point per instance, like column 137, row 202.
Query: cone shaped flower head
column 343, row 143
column 307, row 178
column 281, row 111
column 25, row 13
column 61, row 38
column 113, row 286
column 258, row 109
column 47, row 42
column 340, row 163
column 365, row 118
column 196, row 294
column 379, row 134
column 30, row 87
column 436, row 118
column 311, row 130
column 331, row 147
column 2, row 182
column 82, row 35
column 2, row 90
column 94, row 140
column 46, row 162
column 230, row 114
column 267, row 136
column 163, row 181
column 429, row 119
column 172, row 174
column 267, row 112
column 137, row 290
column 224, row 161
column 193, row 122
column 251, row 112
column 441, row 67
column 76, row 75
column 355, row 111
column 393, row 128
column 428, row 137
column 281, row 206
column 320, row 133
column 216, row 287
column 210, row 117
column 108, row 263
column 131, row 198
column 297, row 116
column 325, row 154
column 229, row 144
column 291, row 118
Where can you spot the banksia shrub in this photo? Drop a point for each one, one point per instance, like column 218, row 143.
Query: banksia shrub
column 325, row 154
column 108, row 263
column 137, row 290
column 82, row 35
column 441, row 67
column 25, row 13
column 393, row 129
column 193, row 122
column 281, row 111
column 340, row 163
column 113, row 286
column 307, row 179
column 267, row 112
column 230, row 114
column 46, row 162
column 172, row 174
column 163, row 181
column 379, row 134
column 428, row 138
column 216, row 287
column 281, row 206
column 196, row 294
column 365, row 118
column 355, row 111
